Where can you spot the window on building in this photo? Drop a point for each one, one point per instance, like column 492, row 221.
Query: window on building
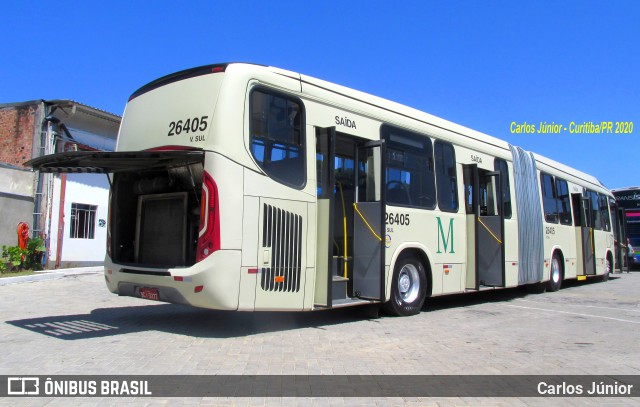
column 564, row 201
column 83, row 221
column 549, row 201
column 277, row 139
column 447, row 180
column 409, row 169
column 501, row 165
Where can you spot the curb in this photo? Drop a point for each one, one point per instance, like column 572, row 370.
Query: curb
column 51, row 275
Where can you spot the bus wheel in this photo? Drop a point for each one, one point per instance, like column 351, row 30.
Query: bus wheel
column 607, row 269
column 555, row 277
column 408, row 287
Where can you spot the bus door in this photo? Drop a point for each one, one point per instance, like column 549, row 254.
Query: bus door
column 624, row 238
column 584, row 234
column 349, row 215
column 368, row 222
column 485, row 222
column 620, row 235
column 326, row 265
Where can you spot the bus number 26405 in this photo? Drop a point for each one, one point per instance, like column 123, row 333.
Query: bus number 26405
column 396, row 219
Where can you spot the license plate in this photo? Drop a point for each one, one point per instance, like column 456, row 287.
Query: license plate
column 149, row 293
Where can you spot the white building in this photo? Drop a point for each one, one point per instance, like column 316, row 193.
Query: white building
column 75, row 235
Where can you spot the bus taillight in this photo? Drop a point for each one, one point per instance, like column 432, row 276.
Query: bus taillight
column 209, row 235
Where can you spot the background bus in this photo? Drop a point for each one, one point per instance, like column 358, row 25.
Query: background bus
column 629, row 200
column 246, row 187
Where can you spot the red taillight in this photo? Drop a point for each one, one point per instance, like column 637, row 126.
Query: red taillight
column 209, row 236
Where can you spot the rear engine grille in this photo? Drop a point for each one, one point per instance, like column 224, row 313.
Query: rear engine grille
column 282, row 232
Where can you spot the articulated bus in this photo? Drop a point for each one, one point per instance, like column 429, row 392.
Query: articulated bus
column 246, row 187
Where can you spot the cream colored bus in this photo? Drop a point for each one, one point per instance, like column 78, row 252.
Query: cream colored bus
column 246, row 187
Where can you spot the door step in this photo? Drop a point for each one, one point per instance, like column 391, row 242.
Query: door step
column 482, row 288
column 348, row 302
column 339, row 288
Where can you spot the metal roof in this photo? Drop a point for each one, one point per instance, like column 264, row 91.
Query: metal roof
column 103, row 114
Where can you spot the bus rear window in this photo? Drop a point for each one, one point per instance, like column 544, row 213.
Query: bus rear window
column 277, row 141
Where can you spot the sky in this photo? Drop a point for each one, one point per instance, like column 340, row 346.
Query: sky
column 488, row 65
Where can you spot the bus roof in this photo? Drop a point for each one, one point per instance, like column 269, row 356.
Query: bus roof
column 569, row 171
column 625, row 189
column 432, row 120
column 457, row 131
column 405, row 111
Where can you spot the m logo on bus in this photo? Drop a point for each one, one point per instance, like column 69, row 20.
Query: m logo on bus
column 445, row 239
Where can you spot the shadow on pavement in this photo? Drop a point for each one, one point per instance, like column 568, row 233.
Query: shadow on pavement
column 184, row 320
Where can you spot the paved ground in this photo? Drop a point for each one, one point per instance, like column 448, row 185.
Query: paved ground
column 586, row 328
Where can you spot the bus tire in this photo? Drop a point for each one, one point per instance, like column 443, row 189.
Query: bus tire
column 555, row 275
column 408, row 287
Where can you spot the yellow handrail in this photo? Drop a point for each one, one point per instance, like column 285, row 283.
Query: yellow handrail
column 489, row 230
column 366, row 223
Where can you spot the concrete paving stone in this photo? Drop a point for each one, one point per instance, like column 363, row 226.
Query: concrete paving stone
column 587, row 328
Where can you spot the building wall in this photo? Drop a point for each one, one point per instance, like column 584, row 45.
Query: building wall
column 17, row 124
column 16, row 202
column 89, row 189
column 35, row 128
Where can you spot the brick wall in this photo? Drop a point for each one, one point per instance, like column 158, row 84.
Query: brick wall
column 16, row 134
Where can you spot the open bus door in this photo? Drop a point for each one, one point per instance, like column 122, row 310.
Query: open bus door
column 618, row 222
column 350, row 219
column 368, row 224
column 585, row 249
column 329, row 285
column 485, row 223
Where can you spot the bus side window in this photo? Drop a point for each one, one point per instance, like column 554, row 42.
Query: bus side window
column 596, row 221
column 277, row 140
column 549, row 201
column 410, row 180
column 605, row 221
column 446, row 178
column 501, row 165
column 564, row 202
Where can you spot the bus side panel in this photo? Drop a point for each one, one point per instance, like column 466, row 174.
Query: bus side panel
column 228, row 176
column 510, row 237
column 282, row 251
column 565, row 238
column 309, row 270
column 511, row 243
column 603, row 243
column 444, row 236
column 248, row 276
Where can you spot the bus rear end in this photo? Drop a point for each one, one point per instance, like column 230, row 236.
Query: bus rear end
column 164, row 211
